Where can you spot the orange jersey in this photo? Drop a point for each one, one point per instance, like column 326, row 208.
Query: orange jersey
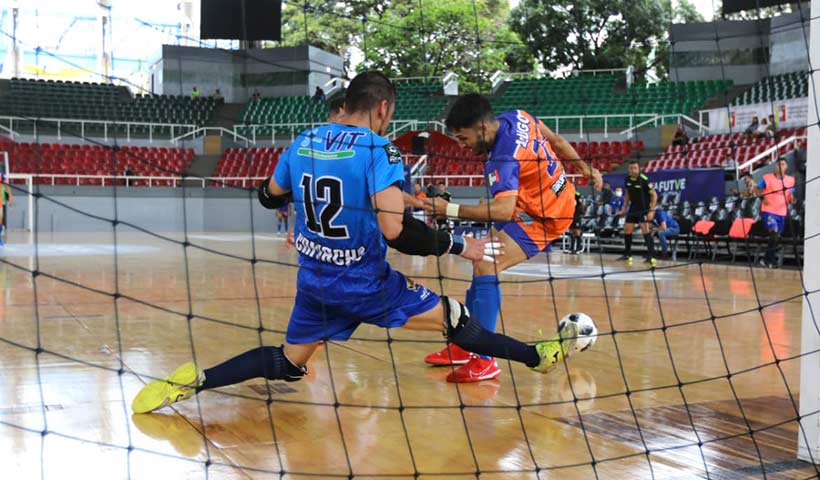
column 523, row 163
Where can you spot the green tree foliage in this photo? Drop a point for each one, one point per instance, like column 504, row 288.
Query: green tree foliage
column 592, row 34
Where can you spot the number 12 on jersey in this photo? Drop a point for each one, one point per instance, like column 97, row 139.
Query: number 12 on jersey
column 323, row 203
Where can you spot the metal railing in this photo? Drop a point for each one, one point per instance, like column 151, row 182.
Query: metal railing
column 680, row 118
column 772, row 152
column 205, row 130
column 396, row 127
column 70, row 125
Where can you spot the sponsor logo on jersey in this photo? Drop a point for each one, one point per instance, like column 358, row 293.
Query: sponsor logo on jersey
column 320, row 155
column 560, row 184
column 522, row 130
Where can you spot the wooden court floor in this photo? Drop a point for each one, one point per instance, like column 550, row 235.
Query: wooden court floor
column 373, row 408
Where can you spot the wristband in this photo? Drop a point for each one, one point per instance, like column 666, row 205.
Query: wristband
column 452, row 210
column 458, row 245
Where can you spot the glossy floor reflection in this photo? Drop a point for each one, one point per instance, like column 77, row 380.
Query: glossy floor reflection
column 80, row 338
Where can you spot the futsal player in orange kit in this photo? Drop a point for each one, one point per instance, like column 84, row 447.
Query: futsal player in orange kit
column 533, row 203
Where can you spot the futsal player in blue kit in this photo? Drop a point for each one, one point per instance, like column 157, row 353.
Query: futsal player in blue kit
column 345, row 182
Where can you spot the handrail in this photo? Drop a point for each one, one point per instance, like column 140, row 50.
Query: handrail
column 768, row 152
column 595, row 71
column 414, row 170
column 655, row 118
column 83, row 122
column 221, row 131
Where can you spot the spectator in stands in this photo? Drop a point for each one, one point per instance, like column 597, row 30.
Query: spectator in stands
column 762, row 129
column 667, row 227
column 777, row 190
column 605, row 198
column 195, row 92
column 336, row 109
column 681, row 138
column 771, row 129
column 752, row 128
column 617, row 200
column 418, row 191
column 256, row 97
column 218, row 98
column 319, row 95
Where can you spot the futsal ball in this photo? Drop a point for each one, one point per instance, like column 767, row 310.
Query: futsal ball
column 587, row 331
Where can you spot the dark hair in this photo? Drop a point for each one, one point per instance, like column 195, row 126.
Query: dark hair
column 635, row 162
column 440, row 182
column 336, row 103
column 781, row 159
column 468, row 110
column 747, row 175
column 367, row 90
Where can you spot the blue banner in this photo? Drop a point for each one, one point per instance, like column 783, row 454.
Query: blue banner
column 694, row 185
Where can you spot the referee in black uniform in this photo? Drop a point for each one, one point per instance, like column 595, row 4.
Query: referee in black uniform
column 641, row 199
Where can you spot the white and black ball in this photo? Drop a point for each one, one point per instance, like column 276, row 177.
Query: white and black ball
column 587, row 331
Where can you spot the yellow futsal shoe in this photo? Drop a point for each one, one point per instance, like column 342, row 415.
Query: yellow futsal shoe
column 176, row 387
column 556, row 349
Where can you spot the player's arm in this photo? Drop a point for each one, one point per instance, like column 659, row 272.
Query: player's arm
column 499, row 209
column 413, row 237
column 11, row 195
column 275, row 191
column 566, row 153
column 272, row 196
column 411, row 201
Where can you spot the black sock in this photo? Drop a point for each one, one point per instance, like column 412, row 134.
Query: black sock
column 628, row 243
column 475, row 338
column 650, row 245
column 268, row 362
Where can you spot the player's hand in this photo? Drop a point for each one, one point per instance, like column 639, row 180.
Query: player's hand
column 291, row 240
column 650, row 216
column 597, row 180
column 622, row 213
column 436, row 206
column 486, row 249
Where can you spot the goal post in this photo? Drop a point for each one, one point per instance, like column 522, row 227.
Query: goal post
column 809, row 445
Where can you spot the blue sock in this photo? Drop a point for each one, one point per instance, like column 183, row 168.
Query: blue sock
column 486, row 302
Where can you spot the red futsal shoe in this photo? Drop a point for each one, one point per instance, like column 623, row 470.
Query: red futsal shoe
column 450, row 355
column 476, row 370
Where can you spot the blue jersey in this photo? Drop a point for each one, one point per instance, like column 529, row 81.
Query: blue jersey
column 333, row 171
column 661, row 216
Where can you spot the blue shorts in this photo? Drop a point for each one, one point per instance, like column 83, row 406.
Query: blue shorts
column 399, row 299
column 773, row 222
